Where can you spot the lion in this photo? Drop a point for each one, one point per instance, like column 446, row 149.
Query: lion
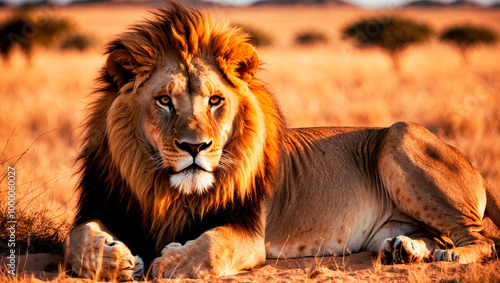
column 189, row 171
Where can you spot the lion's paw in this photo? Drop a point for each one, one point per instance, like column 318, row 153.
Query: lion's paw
column 402, row 249
column 94, row 254
column 183, row 261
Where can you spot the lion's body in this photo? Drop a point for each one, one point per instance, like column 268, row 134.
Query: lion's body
column 362, row 186
column 187, row 164
column 323, row 172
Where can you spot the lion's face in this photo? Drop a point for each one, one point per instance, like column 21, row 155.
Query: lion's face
column 186, row 117
column 189, row 114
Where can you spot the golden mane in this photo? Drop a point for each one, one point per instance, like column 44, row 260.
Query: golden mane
column 130, row 175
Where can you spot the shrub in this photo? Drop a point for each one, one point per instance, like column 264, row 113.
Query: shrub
column 465, row 37
column 310, row 37
column 257, row 36
column 391, row 34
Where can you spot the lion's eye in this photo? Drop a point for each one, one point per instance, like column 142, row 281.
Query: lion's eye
column 164, row 100
column 215, row 100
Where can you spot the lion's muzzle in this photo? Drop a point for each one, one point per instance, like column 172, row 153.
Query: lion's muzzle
column 193, row 148
column 193, row 172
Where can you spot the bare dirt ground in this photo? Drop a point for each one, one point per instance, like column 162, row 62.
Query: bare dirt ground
column 359, row 267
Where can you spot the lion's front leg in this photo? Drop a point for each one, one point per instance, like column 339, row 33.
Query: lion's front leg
column 217, row 252
column 94, row 254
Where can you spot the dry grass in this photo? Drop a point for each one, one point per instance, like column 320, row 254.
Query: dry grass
column 334, row 84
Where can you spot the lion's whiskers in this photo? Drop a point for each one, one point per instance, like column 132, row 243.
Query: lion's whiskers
column 158, row 163
column 227, row 161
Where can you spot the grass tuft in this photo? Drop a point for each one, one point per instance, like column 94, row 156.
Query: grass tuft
column 36, row 232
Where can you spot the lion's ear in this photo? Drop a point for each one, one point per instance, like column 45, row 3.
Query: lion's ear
column 248, row 64
column 241, row 63
column 120, row 65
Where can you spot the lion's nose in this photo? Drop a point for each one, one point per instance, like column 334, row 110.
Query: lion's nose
column 193, row 149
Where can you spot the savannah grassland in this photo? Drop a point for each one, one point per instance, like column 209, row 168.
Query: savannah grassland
column 43, row 103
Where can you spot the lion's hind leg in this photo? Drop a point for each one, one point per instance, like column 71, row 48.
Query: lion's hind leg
column 434, row 184
column 425, row 247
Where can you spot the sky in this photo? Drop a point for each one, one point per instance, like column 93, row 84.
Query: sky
column 372, row 4
column 392, row 3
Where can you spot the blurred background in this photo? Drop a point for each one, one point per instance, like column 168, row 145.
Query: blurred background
column 330, row 63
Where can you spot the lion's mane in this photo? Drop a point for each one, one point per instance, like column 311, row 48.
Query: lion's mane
column 125, row 191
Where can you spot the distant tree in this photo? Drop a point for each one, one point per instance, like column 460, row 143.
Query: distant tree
column 310, row 37
column 25, row 31
column 257, row 37
column 391, row 34
column 76, row 41
column 466, row 37
column 51, row 30
column 16, row 32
